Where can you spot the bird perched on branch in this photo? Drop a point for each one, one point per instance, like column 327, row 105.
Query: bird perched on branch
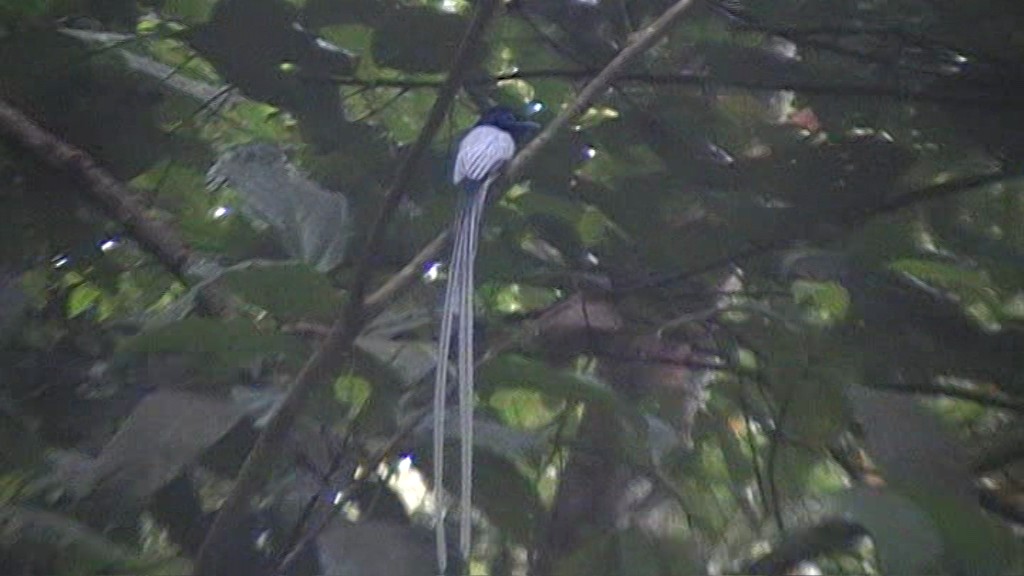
column 482, row 153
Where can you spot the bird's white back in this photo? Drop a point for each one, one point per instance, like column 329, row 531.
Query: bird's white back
column 482, row 151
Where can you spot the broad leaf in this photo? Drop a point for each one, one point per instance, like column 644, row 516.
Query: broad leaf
column 375, row 547
column 235, row 340
column 512, row 371
column 906, row 539
column 400, row 39
column 167, row 431
column 313, row 223
column 54, row 542
column 289, row 291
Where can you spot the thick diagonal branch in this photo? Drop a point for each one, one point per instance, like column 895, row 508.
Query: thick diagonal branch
column 116, row 200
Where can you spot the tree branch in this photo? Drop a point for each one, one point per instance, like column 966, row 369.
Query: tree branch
column 116, row 200
column 803, row 86
column 914, row 197
column 932, row 192
column 408, row 274
column 983, row 398
column 980, row 97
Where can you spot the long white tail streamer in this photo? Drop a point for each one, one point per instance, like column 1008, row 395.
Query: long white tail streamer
column 458, row 301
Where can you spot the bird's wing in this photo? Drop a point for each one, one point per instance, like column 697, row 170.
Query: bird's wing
column 482, row 151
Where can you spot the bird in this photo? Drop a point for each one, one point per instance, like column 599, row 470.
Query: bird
column 482, row 153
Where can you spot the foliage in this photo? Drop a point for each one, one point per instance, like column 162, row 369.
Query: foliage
column 743, row 301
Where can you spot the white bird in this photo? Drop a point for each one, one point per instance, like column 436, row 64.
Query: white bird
column 482, row 153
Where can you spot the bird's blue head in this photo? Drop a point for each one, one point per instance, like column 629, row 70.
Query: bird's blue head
column 505, row 119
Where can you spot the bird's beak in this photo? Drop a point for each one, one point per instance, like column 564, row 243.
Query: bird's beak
column 525, row 130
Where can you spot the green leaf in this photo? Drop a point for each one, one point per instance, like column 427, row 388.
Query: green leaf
column 33, row 535
column 18, row 9
column 517, row 372
column 417, row 39
column 167, row 431
column 236, row 340
column 523, row 298
column 590, row 224
column 352, row 391
column 638, row 555
column 596, row 115
column 22, row 448
column 974, row 287
column 514, row 371
column 314, row 224
column 188, row 11
column 513, row 444
column 374, row 547
column 906, row 539
column 596, row 557
column 628, row 551
column 973, row 543
column 516, row 90
column 15, row 487
column 808, row 372
column 81, row 299
column 352, row 37
column 401, row 117
column 522, row 408
column 594, row 227
column 530, row 203
column 897, row 425
column 506, row 496
column 290, row 290
column 827, row 302
column 391, row 366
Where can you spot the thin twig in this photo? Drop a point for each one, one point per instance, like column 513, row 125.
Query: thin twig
column 408, row 274
column 383, row 106
column 643, row 41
